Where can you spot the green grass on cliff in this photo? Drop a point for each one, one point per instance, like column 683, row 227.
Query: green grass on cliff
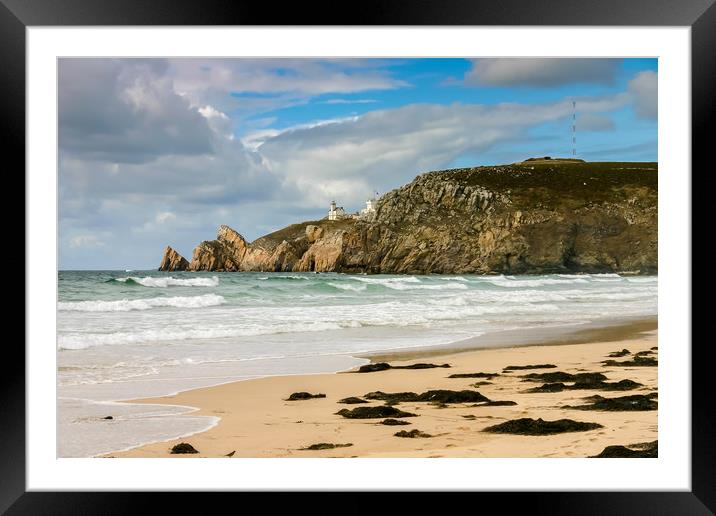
column 595, row 181
column 298, row 230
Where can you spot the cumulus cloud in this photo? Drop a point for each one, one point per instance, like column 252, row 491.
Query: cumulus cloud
column 351, row 158
column 644, row 90
column 595, row 122
column 126, row 111
column 541, row 72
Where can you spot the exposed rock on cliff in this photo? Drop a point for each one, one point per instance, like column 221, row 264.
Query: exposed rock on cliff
column 173, row 261
column 531, row 217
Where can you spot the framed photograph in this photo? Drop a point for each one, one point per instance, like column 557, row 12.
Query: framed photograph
column 444, row 248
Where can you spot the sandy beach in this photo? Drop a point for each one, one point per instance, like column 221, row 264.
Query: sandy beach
column 258, row 421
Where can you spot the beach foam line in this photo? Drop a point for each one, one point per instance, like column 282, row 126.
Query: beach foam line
column 126, row 305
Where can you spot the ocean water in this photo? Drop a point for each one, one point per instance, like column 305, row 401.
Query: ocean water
column 124, row 335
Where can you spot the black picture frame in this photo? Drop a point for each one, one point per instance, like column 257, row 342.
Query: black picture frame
column 700, row 15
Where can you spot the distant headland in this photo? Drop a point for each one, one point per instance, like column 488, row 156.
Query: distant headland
column 541, row 215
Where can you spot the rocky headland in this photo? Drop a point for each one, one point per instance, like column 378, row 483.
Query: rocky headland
column 537, row 216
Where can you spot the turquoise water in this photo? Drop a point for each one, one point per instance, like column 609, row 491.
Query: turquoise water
column 129, row 334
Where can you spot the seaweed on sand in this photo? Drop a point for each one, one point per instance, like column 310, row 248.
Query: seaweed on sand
column 382, row 366
column 559, row 376
column 326, row 446
column 380, row 412
column 437, row 396
column 183, row 448
column 394, row 422
column 529, row 426
column 412, row 434
column 352, row 400
column 622, row 385
column 304, row 396
column 640, row 450
column 474, row 375
column 523, row 367
column 636, row 402
column 637, row 361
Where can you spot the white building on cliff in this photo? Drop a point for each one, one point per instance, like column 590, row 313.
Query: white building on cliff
column 336, row 212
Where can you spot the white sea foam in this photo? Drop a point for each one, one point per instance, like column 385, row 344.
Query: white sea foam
column 87, row 340
column 161, row 282
column 509, row 282
column 384, row 281
column 348, row 286
column 126, row 305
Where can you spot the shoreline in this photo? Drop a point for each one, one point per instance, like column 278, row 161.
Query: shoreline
column 247, row 412
column 581, row 333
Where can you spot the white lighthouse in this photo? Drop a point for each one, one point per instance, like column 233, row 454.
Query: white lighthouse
column 336, row 212
column 369, row 209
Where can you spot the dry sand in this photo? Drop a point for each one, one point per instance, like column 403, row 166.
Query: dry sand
column 256, row 421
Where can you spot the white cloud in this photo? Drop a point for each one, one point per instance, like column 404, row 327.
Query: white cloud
column 541, row 72
column 644, row 90
column 594, row 122
column 126, row 111
column 348, row 159
column 164, row 216
column 86, row 241
column 349, row 101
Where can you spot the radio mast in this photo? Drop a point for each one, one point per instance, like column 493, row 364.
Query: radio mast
column 574, row 128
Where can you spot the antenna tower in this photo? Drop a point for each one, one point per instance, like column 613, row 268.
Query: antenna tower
column 574, row 128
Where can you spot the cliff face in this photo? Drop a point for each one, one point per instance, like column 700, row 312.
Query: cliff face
column 525, row 218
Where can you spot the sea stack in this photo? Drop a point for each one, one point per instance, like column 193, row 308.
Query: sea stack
column 173, row 261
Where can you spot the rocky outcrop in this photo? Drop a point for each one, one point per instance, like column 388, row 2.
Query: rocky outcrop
column 173, row 261
column 532, row 217
column 313, row 233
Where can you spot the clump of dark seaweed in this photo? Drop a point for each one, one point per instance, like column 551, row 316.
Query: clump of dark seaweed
column 474, row 375
column 632, row 451
column 326, row 446
column 436, row 396
column 304, row 396
column 421, row 366
column 637, row 361
column 617, row 354
column 498, row 403
column 371, row 368
column 412, row 434
column 559, row 376
column 352, row 400
column 394, row 422
column 549, row 387
column 382, row 366
column 529, row 426
column 480, row 384
column 624, row 403
column 382, row 411
column 523, row 367
column 183, row 448
column 622, row 385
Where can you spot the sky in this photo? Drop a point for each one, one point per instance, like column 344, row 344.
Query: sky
column 157, row 152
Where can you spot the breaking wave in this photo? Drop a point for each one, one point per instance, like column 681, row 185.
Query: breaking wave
column 126, row 305
column 152, row 281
